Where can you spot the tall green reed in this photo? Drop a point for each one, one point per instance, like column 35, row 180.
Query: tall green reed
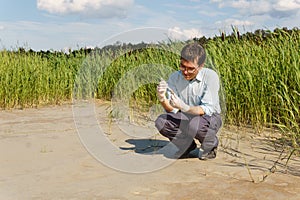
column 261, row 78
column 32, row 79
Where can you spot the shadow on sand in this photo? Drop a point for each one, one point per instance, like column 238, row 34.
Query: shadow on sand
column 155, row 146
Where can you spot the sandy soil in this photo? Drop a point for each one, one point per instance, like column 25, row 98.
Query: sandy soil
column 42, row 156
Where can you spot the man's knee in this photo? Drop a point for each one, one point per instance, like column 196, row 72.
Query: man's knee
column 160, row 122
column 199, row 125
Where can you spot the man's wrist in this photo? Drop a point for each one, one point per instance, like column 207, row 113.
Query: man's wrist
column 185, row 108
column 162, row 99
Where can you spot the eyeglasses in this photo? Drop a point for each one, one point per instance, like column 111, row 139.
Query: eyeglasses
column 188, row 69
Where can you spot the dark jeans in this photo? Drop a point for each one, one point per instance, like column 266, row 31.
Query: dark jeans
column 181, row 129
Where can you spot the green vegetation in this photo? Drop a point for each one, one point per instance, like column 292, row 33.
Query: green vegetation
column 259, row 72
column 32, row 79
column 261, row 76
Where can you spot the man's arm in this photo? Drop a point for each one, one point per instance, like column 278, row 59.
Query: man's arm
column 210, row 99
column 166, row 105
column 176, row 102
column 195, row 110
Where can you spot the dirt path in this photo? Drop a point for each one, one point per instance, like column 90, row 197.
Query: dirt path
column 42, row 157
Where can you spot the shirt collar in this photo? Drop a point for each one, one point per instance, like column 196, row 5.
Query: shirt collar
column 200, row 75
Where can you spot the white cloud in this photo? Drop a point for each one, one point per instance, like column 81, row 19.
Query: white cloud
column 227, row 24
column 215, row 1
column 234, row 22
column 240, row 4
column 91, row 8
column 1, row 28
column 258, row 7
column 287, row 5
column 177, row 33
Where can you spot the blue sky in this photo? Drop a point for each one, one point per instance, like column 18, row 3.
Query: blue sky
column 62, row 24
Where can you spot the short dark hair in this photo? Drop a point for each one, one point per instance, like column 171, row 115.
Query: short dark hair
column 193, row 52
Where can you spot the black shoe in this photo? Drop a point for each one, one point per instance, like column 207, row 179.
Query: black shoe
column 181, row 155
column 205, row 155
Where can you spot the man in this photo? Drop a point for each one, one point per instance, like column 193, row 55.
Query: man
column 191, row 101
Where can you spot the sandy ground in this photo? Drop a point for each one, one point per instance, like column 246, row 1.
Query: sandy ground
column 42, row 156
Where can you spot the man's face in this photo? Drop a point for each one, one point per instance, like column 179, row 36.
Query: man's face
column 189, row 69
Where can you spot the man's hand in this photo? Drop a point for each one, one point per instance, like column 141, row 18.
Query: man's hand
column 176, row 102
column 161, row 90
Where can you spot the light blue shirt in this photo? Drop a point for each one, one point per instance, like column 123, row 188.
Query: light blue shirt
column 202, row 91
